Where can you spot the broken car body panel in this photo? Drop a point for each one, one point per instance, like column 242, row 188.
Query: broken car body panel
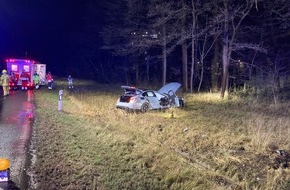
column 136, row 99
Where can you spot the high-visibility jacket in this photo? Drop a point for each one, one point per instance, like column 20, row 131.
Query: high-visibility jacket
column 5, row 79
column 36, row 78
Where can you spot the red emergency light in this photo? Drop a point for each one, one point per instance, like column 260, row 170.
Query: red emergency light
column 10, row 60
column 13, row 60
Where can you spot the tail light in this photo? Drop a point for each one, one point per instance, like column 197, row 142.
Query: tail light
column 29, row 84
column 133, row 99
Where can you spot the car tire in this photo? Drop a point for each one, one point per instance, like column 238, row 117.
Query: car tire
column 128, row 110
column 145, row 107
column 181, row 103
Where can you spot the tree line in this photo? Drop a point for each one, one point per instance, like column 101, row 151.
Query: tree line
column 216, row 45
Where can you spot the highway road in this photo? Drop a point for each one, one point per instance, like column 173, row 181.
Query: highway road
column 16, row 117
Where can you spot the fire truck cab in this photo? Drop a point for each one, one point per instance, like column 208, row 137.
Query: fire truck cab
column 21, row 73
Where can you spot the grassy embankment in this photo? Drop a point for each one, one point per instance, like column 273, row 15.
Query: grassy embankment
column 210, row 144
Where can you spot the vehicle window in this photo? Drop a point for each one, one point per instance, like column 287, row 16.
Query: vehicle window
column 150, row 94
column 14, row 68
column 138, row 92
column 130, row 91
column 26, row 68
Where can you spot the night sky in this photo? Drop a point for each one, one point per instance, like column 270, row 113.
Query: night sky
column 42, row 28
column 62, row 34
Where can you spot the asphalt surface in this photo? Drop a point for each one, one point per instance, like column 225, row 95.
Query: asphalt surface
column 16, row 117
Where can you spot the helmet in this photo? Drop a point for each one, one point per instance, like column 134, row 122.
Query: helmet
column 4, row 163
column 4, row 71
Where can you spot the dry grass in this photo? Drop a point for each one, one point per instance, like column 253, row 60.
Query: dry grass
column 210, row 144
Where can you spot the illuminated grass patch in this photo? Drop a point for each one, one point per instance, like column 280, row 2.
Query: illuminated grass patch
column 210, row 144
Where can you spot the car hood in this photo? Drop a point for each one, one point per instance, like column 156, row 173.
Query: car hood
column 174, row 86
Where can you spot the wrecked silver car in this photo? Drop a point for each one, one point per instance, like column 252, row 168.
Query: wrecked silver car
column 136, row 99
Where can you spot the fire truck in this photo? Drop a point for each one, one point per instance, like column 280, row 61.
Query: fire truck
column 21, row 72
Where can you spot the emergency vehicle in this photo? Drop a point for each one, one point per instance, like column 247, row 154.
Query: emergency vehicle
column 21, row 72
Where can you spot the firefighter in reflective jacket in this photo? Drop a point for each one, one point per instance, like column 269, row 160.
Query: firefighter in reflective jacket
column 49, row 80
column 5, row 82
column 36, row 80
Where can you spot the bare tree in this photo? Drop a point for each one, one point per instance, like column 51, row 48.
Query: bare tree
column 163, row 22
column 125, row 27
column 204, row 50
column 160, row 27
column 184, row 48
column 193, row 37
column 215, row 66
column 233, row 13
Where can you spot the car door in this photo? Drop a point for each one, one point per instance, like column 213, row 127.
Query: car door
column 152, row 99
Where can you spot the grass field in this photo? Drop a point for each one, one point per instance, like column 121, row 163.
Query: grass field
column 209, row 144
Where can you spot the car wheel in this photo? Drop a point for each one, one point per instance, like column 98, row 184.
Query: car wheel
column 145, row 107
column 181, row 102
column 127, row 110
